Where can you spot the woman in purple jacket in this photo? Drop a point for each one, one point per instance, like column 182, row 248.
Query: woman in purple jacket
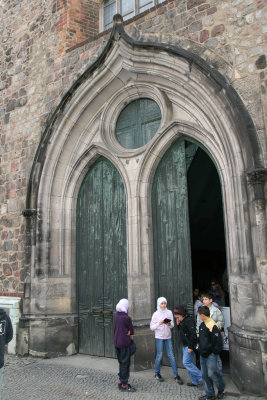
column 123, row 329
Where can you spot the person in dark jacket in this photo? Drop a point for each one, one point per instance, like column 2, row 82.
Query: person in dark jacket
column 210, row 346
column 123, row 329
column 6, row 335
column 187, row 328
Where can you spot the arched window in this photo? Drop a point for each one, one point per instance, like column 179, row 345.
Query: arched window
column 127, row 8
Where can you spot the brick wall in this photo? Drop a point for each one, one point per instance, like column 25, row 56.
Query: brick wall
column 78, row 22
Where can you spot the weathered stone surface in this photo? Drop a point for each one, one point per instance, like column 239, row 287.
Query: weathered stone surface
column 217, row 30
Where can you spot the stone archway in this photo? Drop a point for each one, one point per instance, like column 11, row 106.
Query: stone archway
column 194, row 100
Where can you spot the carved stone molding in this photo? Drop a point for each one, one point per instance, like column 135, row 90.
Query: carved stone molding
column 29, row 213
column 257, row 178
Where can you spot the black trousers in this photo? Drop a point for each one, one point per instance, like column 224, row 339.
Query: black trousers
column 124, row 358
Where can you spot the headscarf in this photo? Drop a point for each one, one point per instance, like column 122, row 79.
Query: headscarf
column 122, row 305
column 159, row 301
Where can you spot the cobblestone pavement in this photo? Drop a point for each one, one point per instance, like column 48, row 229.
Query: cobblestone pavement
column 35, row 379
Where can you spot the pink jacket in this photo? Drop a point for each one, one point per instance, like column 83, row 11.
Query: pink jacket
column 161, row 331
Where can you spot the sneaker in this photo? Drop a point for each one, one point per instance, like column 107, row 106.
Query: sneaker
column 205, row 397
column 178, row 379
column 119, row 384
column 127, row 388
column 159, row 377
column 220, row 395
column 191, row 384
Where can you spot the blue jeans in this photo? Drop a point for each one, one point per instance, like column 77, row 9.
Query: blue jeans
column 193, row 372
column 168, row 346
column 211, row 373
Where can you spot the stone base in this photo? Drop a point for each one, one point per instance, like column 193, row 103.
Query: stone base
column 248, row 360
column 50, row 336
column 145, row 355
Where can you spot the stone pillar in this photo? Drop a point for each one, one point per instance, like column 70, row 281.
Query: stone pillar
column 48, row 326
column 140, row 276
column 247, row 336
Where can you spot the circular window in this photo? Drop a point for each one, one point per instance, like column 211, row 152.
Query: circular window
column 138, row 123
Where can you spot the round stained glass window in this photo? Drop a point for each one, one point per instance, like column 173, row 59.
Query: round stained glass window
column 138, row 123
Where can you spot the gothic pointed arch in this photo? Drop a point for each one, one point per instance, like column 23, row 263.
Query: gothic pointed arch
column 194, row 101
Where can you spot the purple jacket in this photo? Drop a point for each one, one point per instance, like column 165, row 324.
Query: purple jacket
column 122, row 324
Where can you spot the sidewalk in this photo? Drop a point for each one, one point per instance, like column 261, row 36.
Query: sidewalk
column 85, row 377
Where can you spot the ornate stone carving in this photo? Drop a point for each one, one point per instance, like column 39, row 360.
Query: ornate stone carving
column 29, row 212
column 257, row 178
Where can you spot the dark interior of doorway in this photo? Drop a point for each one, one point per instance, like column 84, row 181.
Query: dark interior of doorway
column 207, row 227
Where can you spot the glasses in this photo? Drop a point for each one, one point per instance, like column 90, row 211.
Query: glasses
column 213, row 284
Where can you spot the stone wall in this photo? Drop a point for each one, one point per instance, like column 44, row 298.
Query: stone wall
column 38, row 65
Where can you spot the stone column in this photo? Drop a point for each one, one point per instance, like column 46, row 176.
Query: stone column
column 48, row 325
column 247, row 336
column 140, row 269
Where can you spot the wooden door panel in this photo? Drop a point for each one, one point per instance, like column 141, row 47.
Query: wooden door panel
column 101, row 256
column 171, row 235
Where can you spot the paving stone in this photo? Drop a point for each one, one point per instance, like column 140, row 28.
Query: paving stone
column 54, row 379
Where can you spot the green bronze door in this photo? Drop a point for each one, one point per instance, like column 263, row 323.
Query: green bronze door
column 101, row 256
column 171, row 236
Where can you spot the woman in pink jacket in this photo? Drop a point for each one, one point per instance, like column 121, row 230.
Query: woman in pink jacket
column 162, row 323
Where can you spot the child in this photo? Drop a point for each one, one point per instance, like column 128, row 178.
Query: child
column 215, row 313
column 187, row 328
column 198, row 302
column 162, row 323
column 210, row 346
column 123, row 328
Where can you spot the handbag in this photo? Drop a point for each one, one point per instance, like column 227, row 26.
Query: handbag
column 132, row 347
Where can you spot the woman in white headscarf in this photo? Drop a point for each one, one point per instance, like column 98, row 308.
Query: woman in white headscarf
column 123, row 329
column 162, row 323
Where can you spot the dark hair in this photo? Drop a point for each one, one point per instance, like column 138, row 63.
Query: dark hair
column 208, row 295
column 180, row 310
column 204, row 310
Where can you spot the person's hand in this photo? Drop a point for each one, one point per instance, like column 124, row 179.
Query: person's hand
column 161, row 322
column 189, row 351
column 129, row 333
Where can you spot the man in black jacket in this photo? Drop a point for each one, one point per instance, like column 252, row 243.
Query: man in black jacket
column 6, row 334
column 210, row 346
column 187, row 328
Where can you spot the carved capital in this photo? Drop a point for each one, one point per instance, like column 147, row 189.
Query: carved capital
column 257, row 178
column 29, row 213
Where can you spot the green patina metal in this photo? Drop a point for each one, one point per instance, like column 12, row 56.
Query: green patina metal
column 171, row 234
column 101, row 256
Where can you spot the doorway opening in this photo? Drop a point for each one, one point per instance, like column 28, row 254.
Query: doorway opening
column 206, row 223
column 207, row 235
column 188, row 227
